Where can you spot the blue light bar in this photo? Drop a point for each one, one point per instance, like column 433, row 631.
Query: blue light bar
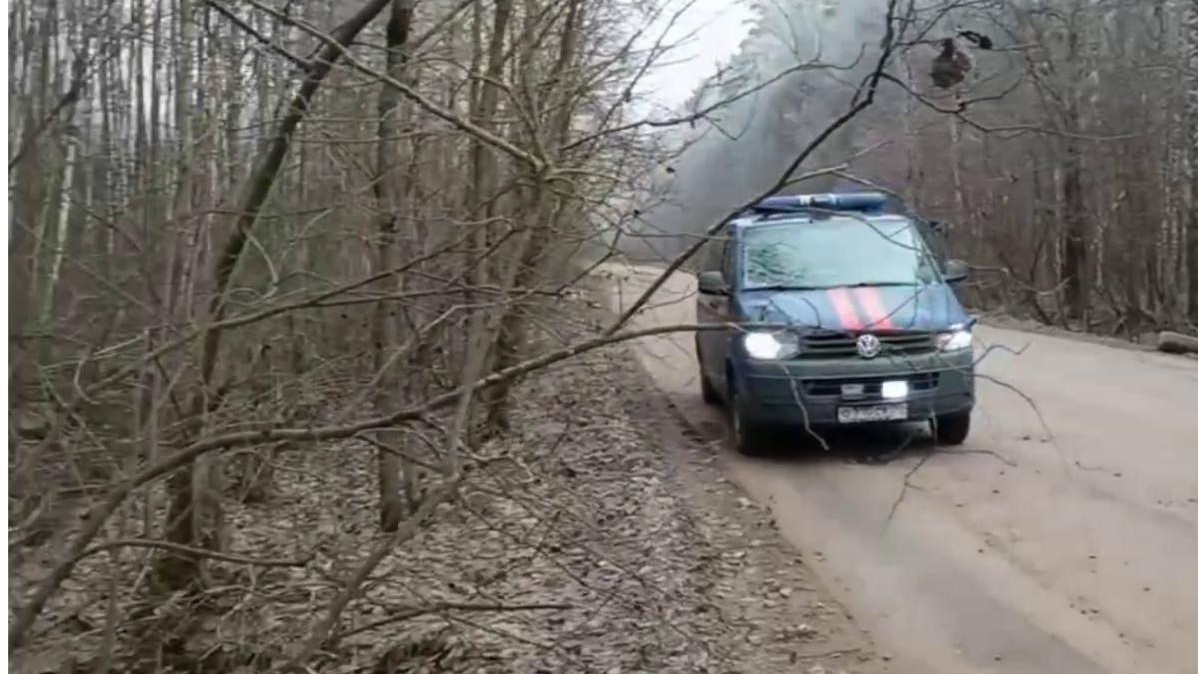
column 859, row 202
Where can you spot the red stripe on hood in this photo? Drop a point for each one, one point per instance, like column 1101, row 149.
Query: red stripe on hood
column 842, row 302
column 871, row 301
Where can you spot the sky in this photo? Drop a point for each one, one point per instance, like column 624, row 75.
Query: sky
column 718, row 26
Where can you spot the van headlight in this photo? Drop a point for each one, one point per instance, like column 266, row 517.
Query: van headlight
column 771, row 345
column 955, row 340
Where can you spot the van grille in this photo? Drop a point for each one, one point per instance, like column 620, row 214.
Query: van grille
column 842, row 345
column 921, row 382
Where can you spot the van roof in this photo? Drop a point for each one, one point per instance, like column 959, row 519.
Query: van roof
column 860, row 202
column 808, row 207
column 793, row 218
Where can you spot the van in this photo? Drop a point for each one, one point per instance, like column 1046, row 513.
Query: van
column 836, row 311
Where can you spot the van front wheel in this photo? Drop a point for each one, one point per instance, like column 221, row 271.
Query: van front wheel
column 951, row 429
column 710, row 395
column 746, row 436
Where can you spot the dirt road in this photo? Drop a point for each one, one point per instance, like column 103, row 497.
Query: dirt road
column 1065, row 547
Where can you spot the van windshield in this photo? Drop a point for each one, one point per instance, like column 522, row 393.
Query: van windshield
column 836, row 252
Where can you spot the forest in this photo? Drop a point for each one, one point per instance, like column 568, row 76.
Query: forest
column 1063, row 163
column 253, row 243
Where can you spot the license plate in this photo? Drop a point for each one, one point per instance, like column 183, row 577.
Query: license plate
column 867, row 413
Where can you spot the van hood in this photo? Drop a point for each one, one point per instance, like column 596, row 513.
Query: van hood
column 869, row 308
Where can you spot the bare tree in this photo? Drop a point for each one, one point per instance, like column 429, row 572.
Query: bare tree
column 1069, row 175
column 385, row 322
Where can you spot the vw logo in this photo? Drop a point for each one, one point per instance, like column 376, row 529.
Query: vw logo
column 868, row 346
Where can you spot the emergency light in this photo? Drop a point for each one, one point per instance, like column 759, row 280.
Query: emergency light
column 858, row 202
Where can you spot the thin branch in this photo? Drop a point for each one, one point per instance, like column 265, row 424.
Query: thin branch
column 440, row 25
column 959, row 112
column 232, row 558
column 406, row 530
column 73, row 94
column 298, row 61
column 246, row 319
column 408, row 92
column 27, row 615
column 698, row 114
column 444, row 607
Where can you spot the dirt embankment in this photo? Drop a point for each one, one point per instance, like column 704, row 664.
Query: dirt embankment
column 597, row 537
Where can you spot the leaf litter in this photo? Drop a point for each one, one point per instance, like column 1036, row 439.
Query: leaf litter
column 586, row 539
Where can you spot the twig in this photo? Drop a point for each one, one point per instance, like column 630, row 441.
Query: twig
column 301, row 63
column 1026, row 398
column 450, row 606
column 339, row 47
column 407, row 530
column 906, row 483
column 827, row 654
column 988, row 452
column 698, row 114
column 870, row 88
column 232, row 558
column 72, row 96
column 397, row 452
column 254, row 317
column 440, row 25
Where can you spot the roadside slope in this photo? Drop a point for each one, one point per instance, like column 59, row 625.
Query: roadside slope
column 596, row 537
column 672, row 568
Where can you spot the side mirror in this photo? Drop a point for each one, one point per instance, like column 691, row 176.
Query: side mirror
column 712, row 283
column 936, row 226
column 955, row 271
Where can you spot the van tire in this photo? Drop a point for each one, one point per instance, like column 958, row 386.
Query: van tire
column 710, row 395
column 951, row 429
column 746, row 437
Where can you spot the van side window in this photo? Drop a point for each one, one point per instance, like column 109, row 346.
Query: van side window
column 935, row 241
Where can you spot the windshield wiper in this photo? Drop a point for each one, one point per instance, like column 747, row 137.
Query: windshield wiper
column 862, row 284
column 785, row 286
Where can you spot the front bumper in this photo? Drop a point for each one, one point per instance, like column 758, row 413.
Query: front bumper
column 809, row 391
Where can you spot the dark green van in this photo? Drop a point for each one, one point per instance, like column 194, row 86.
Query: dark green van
column 864, row 324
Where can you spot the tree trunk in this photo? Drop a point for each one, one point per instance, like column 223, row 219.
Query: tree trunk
column 913, row 182
column 529, row 263
column 64, row 222
column 484, row 169
column 185, row 571
column 386, row 323
column 1075, row 263
column 175, row 571
column 1175, row 342
column 1191, row 213
column 26, row 210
